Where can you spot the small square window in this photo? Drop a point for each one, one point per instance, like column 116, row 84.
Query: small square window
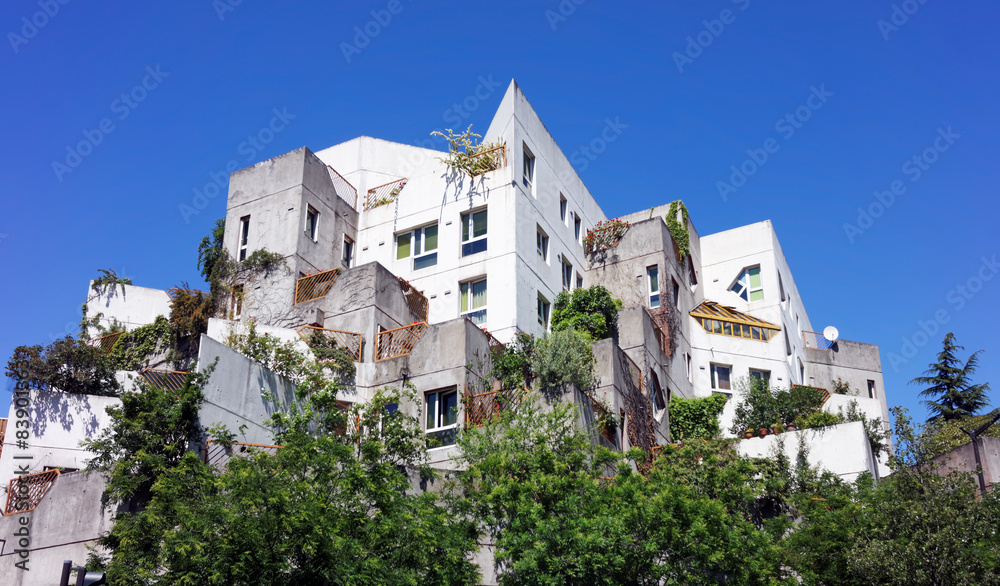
column 474, row 301
column 474, row 232
column 441, row 417
column 542, row 243
column 720, row 376
column 312, row 223
column 764, row 376
column 348, row 252
column 543, row 312
column 653, row 284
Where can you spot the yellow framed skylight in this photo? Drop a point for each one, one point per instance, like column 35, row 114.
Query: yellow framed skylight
column 726, row 321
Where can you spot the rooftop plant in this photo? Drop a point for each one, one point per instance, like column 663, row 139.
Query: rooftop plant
column 465, row 152
column 605, row 235
column 679, row 228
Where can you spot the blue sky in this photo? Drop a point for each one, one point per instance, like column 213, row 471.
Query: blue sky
column 117, row 115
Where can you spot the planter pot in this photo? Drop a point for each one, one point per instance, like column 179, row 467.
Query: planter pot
column 775, row 430
column 749, row 434
column 763, row 432
column 790, row 427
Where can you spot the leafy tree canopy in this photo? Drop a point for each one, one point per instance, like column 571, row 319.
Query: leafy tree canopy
column 64, row 365
column 949, row 384
column 592, row 310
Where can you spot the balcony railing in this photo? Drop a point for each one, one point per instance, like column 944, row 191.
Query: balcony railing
column 604, row 235
column 825, row 393
column 167, row 380
column 488, row 160
column 315, row 286
column 26, row 492
column 816, row 341
column 343, row 187
column 496, row 346
column 399, row 341
column 384, row 194
column 483, row 408
column 415, row 299
column 350, row 341
column 106, row 343
column 218, row 454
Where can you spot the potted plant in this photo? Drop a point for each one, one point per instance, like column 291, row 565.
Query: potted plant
column 763, row 432
column 749, row 433
column 790, row 427
column 777, row 428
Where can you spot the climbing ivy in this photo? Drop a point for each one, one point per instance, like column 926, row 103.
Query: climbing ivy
column 109, row 278
column 696, row 418
column 133, row 349
column 678, row 230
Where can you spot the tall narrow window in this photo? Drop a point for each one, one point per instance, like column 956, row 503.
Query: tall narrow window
column 473, row 232
column 312, row 223
column 871, row 389
column 579, row 281
column 441, row 409
column 562, row 209
column 689, row 370
column 543, row 312
column 748, row 286
column 659, row 403
column 653, row 286
column 567, row 275
column 236, row 307
column 244, row 236
column 529, row 169
column 720, row 377
column 474, row 301
column 348, row 252
column 577, row 228
column 676, row 292
column 421, row 244
column 542, row 242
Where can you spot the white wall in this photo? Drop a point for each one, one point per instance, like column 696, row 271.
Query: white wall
column 842, row 449
column 132, row 306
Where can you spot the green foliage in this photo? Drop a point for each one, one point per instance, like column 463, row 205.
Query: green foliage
column 189, row 315
column 95, row 322
column 564, row 357
column 463, row 150
column 132, row 350
column 109, row 278
column 679, row 229
column 949, row 382
column 818, row 419
column 840, row 387
column 943, row 436
column 332, row 356
column 762, row 406
column 64, row 365
column 512, row 365
column 211, row 250
column 592, row 310
column 696, row 418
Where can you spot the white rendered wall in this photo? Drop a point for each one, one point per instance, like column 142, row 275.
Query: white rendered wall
column 132, row 306
column 842, row 449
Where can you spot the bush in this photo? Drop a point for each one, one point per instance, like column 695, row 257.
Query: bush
column 565, row 357
column 762, row 406
column 818, row 419
column 512, row 365
column 696, row 418
column 64, row 365
column 592, row 310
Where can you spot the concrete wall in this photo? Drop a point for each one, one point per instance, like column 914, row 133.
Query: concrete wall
column 132, row 306
column 59, row 421
column 842, row 449
column 963, row 459
column 68, row 519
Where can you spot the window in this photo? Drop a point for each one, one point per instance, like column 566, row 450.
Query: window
column 474, row 301
column 244, row 236
column 788, row 345
column 567, row 275
column 781, row 289
column 748, row 286
column 543, row 311
column 676, row 291
column 236, row 305
column 579, row 281
column 562, row 209
column 348, row 250
column 720, row 377
column 689, row 371
column 442, row 417
column 312, row 223
column 473, row 232
column 421, row 244
column 871, row 389
column 692, row 276
column 763, row 376
column 542, row 242
column 802, row 372
column 653, row 285
column 577, row 225
column 659, row 404
column 529, row 168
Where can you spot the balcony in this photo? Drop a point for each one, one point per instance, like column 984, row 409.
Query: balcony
column 483, row 408
column 166, row 380
column 415, row 300
column 488, row 160
column 604, row 235
column 343, row 187
column 26, row 492
column 399, row 341
column 106, row 343
column 316, row 286
column 218, row 454
column 816, row 341
column 384, row 194
column 352, row 342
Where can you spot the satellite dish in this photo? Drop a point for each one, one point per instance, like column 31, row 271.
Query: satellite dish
column 830, row 333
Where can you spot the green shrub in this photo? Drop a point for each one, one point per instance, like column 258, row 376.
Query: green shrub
column 564, row 357
column 818, row 419
column 761, row 406
column 64, row 365
column 512, row 365
column 592, row 310
column 696, row 418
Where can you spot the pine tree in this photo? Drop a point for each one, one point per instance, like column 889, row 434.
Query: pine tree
column 949, row 382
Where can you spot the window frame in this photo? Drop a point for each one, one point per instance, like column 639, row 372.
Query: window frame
column 563, row 209
column 872, row 391
column 418, row 239
column 577, row 228
column 544, row 311
column 542, row 244
column 312, row 228
column 470, row 242
column 567, row 274
column 466, row 292
column 439, row 430
column 347, row 251
column 716, row 380
column 528, row 170
column 653, row 297
column 759, row 373
column 676, row 292
column 243, row 238
column 747, row 287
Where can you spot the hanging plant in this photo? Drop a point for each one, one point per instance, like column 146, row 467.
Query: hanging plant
column 679, row 229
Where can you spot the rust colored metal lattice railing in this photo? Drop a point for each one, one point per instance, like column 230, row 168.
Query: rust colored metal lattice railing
column 482, row 408
column 488, row 160
column 816, row 341
column 26, row 492
column 384, row 194
column 399, row 341
column 168, row 380
column 350, row 341
column 218, row 454
column 496, row 346
column 343, row 187
column 106, row 343
column 315, row 286
column 415, row 299
column 825, row 394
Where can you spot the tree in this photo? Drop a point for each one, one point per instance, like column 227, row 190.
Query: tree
column 64, row 365
column 211, row 249
column 592, row 310
column 949, row 382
